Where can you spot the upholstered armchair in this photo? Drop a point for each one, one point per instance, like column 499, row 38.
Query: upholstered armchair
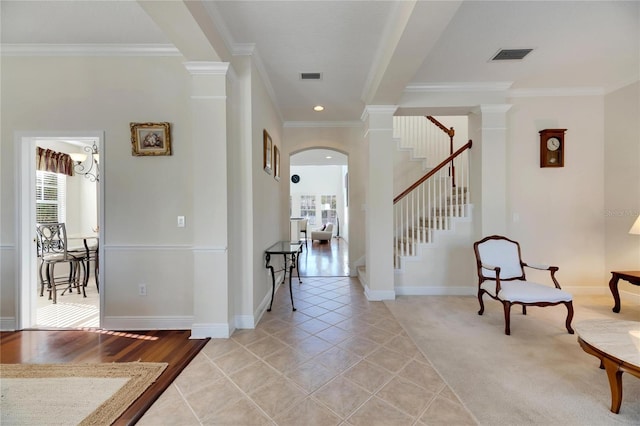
column 323, row 234
column 501, row 275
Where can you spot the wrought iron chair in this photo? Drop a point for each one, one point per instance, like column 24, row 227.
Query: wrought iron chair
column 52, row 242
column 501, row 275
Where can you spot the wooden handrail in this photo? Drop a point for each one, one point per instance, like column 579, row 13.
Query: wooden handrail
column 450, row 132
column 433, row 171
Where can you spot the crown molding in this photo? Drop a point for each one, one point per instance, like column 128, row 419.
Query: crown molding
column 207, row 67
column 89, row 50
column 555, row 92
column 497, row 86
column 321, row 124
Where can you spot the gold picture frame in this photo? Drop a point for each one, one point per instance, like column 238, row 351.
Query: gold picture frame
column 267, row 145
column 150, row 139
column 276, row 163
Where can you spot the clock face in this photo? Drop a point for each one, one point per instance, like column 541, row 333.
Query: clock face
column 553, row 144
column 295, row 178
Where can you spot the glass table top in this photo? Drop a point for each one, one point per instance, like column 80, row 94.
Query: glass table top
column 284, row 247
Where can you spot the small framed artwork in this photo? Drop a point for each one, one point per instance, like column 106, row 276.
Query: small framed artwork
column 276, row 163
column 267, row 161
column 150, row 139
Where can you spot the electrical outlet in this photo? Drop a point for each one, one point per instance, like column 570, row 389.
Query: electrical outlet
column 142, row 289
column 180, row 221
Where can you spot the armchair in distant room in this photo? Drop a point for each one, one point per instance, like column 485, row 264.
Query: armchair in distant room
column 323, row 234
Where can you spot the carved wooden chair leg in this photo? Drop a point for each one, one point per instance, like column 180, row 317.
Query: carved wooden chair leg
column 524, row 309
column 569, row 306
column 481, row 311
column 507, row 317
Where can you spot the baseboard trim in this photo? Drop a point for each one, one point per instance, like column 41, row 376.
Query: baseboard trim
column 7, row 323
column 147, row 323
column 214, row 331
column 379, row 295
column 436, row 291
column 245, row 321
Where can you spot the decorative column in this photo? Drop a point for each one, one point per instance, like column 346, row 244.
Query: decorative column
column 209, row 222
column 378, row 121
column 488, row 130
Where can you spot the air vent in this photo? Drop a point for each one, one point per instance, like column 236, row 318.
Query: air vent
column 310, row 76
column 511, row 54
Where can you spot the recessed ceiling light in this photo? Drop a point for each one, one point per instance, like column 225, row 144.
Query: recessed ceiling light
column 328, row 157
column 318, row 108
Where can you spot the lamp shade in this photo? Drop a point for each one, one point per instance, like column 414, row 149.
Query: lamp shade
column 635, row 229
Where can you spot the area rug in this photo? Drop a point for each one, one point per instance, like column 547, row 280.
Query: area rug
column 72, row 394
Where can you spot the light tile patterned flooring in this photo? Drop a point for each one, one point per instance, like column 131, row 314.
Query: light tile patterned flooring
column 338, row 360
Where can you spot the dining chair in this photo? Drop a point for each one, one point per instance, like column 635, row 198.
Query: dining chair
column 52, row 242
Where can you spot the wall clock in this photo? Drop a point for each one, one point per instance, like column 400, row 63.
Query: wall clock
column 552, row 147
column 295, row 178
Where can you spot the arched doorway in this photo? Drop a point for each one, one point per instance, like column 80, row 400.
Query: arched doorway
column 319, row 193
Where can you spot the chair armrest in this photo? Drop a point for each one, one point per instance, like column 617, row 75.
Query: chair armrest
column 490, row 267
column 493, row 268
column 551, row 269
column 541, row 267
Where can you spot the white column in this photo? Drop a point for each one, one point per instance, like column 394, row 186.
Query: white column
column 209, row 224
column 488, row 130
column 379, row 201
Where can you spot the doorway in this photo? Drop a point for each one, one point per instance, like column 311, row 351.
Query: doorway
column 319, row 194
column 56, row 197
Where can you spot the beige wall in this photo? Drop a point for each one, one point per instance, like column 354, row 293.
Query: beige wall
column 143, row 195
column 622, row 180
column 268, row 193
column 557, row 213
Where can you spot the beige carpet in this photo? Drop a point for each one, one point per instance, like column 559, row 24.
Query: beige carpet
column 538, row 375
column 72, row 394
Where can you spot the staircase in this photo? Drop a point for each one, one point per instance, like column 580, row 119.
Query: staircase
column 432, row 216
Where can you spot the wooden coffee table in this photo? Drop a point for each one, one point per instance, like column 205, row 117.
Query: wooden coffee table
column 615, row 343
column 631, row 276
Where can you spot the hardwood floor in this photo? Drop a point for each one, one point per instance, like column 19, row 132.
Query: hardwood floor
column 326, row 259
column 96, row 346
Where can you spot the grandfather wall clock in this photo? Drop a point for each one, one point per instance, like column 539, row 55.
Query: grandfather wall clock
column 552, row 147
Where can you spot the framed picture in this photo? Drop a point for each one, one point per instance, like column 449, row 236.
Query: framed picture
column 267, row 161
column 150, row 139
column 276, row 163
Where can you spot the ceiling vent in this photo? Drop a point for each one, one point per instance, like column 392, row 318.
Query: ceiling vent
column 310, row 76
column 511, row 54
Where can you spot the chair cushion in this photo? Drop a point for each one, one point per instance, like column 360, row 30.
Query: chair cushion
column 526, row 292
column 59, row 257
column 500, row 253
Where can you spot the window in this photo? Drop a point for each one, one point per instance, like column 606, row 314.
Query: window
column 50, row 197
column 308, row 208
column 328, row 208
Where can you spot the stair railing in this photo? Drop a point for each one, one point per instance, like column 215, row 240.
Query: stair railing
column 451, row 133
column 430, row 203
column 428, row 139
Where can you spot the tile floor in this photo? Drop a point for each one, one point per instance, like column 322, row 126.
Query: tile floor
column 338, row 360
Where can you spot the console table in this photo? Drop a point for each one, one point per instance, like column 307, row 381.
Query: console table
column 615, row 343
column 290, row 251
column 632, row 276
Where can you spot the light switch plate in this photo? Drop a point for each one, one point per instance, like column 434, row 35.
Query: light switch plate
column 180, row 221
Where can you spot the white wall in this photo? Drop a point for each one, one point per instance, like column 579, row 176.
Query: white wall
column 622, row 181
column 318, row 181
column 557, row 213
